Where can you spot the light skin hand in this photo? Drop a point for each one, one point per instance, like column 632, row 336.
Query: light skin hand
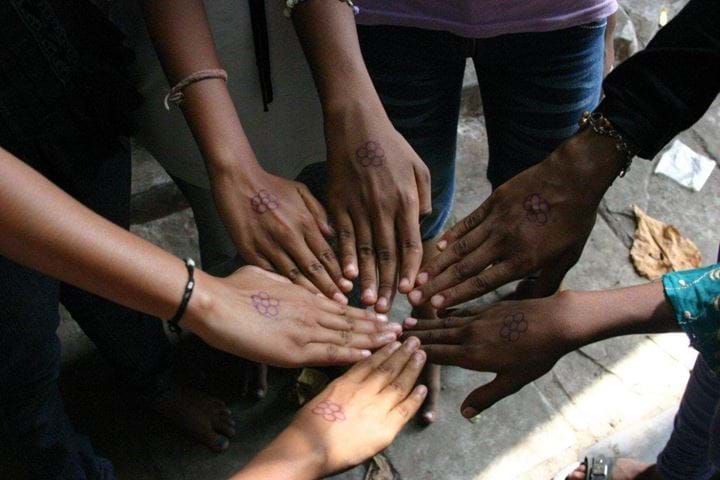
column 355, row 417
column 263, row 317
column 537, row 221
column 522, row 340
column 278, row 225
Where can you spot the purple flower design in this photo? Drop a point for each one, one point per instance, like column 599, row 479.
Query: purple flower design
column 332, row 412
column 513, row 326
column 538, row 210
column 264, row 201
column 370, row 154
column 266, row 305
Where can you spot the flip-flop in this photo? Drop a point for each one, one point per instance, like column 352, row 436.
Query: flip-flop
column 596, row 468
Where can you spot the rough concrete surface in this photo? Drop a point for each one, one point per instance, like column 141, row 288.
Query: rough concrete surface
column 614, row 386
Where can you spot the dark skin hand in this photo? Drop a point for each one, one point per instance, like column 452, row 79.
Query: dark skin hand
column 522, row 340
column 537, row 221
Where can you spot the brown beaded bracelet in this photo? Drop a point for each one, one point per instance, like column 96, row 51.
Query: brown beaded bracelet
column 602, row 126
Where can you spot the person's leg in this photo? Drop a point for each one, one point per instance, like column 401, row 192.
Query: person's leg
column 219, row 257
column 33, row 423
column 135, row 344
column 418, row 75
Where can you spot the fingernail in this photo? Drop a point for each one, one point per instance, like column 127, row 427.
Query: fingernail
column 429, row 417
column 412, row 343
column 346, row 284
column 381, row 303
column 340, row 298
column 394, row 346
column 422, row 278
column 441, row 245
column 395, row 327
column 415, row 296
column 469, row 412
column 368, row 295
column 405, row 284
column 259, row 394
column 387, row 337
column 381, row 317
column 365, row 353
column 437, row 301
column 410, row 322
column 350, row 271
column 418, row 357
column 222, row 442
column 421, row 390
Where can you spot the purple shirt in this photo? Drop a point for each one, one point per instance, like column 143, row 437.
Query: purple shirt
column 484, row 18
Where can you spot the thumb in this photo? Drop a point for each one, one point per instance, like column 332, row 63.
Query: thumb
column 424, row 188
column 317, row 211
column 484, row 397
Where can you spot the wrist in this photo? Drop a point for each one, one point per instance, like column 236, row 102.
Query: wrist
column 202, row 304
column 347, row 111
column 291, row 456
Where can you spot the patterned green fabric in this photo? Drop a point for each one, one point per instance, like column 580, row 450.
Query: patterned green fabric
column 695, row 298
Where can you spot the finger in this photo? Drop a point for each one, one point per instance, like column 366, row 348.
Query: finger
column 550, row 278
column 455, row 274
column 475, row 287
column 486, row 396
column 465, row 225
column 256, row 270
column 346, row 241
column 424, row 188
column 386, row 258
column 346, row 338
column 350, row 324
column 314, row 270
column 331, row 306
column 445, row 354
column 366, row 258
column 411, row 251
column 408, row 407
column 436, row 323
column 322, row 250
column 440, row 336
column 287, row 267
column 397, row 390
column 317, row 210
column 385, row 373
column 361, row 370
column 325, row 354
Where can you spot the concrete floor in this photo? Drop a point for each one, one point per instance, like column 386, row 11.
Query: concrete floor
column 593, row 393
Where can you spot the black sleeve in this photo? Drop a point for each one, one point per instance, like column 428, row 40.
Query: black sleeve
column 667, row 87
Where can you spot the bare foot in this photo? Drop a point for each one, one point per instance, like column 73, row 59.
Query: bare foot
column 624, row 469
column 200, row 416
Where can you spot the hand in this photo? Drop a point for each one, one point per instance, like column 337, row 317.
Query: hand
column 278, row 225
column 378, row 189
column 263, row 317
column 520, row 341
column 355, row 417
column 539, row 220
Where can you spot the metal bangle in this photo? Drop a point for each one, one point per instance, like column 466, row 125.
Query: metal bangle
column 602, row 126
column 189, row 287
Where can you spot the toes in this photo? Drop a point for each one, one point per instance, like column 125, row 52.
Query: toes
column 224, row 426
column 215, row 442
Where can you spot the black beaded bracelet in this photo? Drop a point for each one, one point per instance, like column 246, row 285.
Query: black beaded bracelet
column 189, row 287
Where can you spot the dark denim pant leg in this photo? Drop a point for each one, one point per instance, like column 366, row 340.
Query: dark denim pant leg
column 534, row 88
column 33, row 425
column 134, row 344
column 418, row 75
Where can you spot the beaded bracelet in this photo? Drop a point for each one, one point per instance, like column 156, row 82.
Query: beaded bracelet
column 290, row 4
column 189, row 287
column 602, row 126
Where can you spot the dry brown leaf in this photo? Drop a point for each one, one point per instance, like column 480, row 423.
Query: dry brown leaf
column 659, row 248
column 380, row 468
column 310, row 383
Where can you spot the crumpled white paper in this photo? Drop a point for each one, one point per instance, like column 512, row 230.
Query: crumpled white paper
column 685, row 166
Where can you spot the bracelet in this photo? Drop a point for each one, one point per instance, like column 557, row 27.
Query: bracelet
column 175, row 95
column 189, row 287
column 290, row 4
column 602, row 126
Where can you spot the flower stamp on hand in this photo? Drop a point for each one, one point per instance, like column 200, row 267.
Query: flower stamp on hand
column 538, row 209
column 264, row 201
column 513, row 326
column 330, row 411
column 266, row 305
column 370, row 154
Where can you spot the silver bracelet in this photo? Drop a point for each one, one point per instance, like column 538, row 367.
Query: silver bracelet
column 602, row 126
column 290, row 4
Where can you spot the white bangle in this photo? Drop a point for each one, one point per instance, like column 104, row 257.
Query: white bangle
column 290, row 4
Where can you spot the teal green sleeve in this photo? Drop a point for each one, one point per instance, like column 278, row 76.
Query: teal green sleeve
column 695, row 298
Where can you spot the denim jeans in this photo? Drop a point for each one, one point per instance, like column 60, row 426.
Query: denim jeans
column 534, row 88
column 33, row 425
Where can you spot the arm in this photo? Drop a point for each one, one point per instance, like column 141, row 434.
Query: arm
column 378, row 186
column 521, row 341
column 252, row 313
column 257, row 208
column 649, row 98
column 355, row 417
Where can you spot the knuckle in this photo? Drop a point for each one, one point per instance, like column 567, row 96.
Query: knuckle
column 410, row 245
column 384, row 255
column 403, row 411
column 396, row 387
column 384, row 369
column 479, row 283
column 344, row 337
column 365, row 250
column 293, row 274
column 350, row 321
column 460, row 247
column 333, row 353
column 460, row 271
column 328, row 255
column 315, row 268
column 344, row 234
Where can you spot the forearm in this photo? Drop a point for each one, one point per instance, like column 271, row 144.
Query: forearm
column 181, row 34
column 45, row 229
column 288, row 457
column 327, row 32
column 641, row 309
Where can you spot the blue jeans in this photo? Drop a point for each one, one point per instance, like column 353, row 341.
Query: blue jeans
column 33, row 425
column 534, row 88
